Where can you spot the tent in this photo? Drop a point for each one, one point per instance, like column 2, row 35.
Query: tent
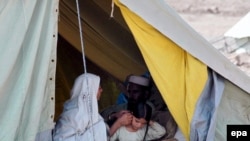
column 200, row 86
column 240, row 34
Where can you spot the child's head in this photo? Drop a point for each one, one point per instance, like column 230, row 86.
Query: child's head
column 141, row 115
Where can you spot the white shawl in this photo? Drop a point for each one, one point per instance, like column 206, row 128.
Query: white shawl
column 80, row 119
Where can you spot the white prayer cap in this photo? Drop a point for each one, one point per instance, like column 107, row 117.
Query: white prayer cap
column 139, row 80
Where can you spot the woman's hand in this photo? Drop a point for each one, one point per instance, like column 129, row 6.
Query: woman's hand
column 120, row 114
column 125, row 119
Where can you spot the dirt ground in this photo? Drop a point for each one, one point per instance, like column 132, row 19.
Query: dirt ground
column 212, row 18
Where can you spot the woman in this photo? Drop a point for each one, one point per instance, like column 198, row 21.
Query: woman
column 80, row 119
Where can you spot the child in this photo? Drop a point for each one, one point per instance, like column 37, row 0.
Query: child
column 141, row 127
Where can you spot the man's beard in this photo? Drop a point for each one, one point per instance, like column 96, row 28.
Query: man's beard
column 131, row 105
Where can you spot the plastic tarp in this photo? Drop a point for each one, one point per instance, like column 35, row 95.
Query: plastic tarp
column 28, row 40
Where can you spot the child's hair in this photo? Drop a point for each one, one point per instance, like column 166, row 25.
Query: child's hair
column 142, row 110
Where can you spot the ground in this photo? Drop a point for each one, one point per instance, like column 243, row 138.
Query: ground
column 212, row 18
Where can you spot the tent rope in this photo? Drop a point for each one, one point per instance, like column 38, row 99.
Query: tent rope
column 81, row 36
column 112, row 9
column 90, row 112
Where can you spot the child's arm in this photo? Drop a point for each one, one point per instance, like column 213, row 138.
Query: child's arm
column 155, row 131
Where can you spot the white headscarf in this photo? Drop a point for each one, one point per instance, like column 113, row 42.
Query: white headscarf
column 80, row 118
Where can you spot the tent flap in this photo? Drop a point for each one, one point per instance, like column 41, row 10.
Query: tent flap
column 28, row 43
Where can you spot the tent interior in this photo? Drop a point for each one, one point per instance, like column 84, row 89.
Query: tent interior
column 109, row 46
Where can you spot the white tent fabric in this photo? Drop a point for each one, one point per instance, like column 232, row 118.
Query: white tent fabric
column 240, row 29
column 28, row 39
column 241, row 34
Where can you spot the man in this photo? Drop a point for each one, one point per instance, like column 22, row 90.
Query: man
column 138, row 89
